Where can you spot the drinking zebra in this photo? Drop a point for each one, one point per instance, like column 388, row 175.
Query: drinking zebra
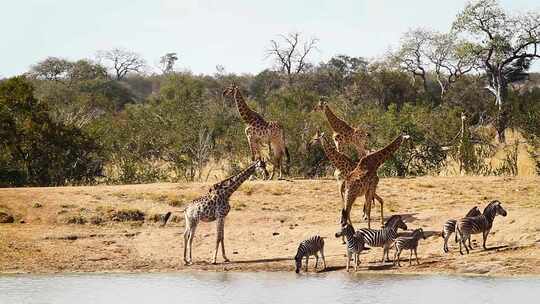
column 309, row 247
column 450, row 227
column 408, row 242
column 383, row 237
column 478, row 224
column 355, row 241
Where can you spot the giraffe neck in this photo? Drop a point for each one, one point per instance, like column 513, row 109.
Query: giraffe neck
column 235, row 181
column 337, row 124
column 379, row 157
column 340, row 161
column 248, row 115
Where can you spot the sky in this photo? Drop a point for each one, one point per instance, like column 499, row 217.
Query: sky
column 206, row 33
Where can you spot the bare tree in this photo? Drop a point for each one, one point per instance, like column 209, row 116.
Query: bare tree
column 449, row 58
column 505, row 45
column 290, row 54
column 411, row 54
column 166, row 62
column 122, row 62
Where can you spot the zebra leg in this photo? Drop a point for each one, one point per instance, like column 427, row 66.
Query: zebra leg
column 416, row 255
column 322, row 256
column 316, row 260
column 398, row 253
column 348, row 260
column 355, row 262
column 307, row 262
column 458, row 233
column 465, row 244
column 469, row 241
column 484, row 239
column 410, row 259
column 445, row 246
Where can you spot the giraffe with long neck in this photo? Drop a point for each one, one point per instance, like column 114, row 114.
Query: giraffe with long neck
column 343, row 133
column 259, row 131
column 214, row 206
column 360, row 180
column 345, row 165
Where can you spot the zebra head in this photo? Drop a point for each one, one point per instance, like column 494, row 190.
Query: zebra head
column 395, row 221
column 419, row 233
column 494, row 208
column 347, row 230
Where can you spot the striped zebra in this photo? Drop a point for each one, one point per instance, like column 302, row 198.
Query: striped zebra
column 450, row 226
column 355, row 242
column 408, row 242
column 467, row 226
column 383, row 237
column 309, row 247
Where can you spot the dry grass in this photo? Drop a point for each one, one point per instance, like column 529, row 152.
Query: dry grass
column 75, row 227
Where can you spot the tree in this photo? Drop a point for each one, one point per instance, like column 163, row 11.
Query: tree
column 35, row 149
column 505, row 45
column 52, row 68
column 449, row 58
column 166, row 62
column 411, row 54
column 122, row 62
column 291, row 53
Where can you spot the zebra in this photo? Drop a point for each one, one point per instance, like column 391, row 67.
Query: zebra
column 478, row 224
column 383, row 237
column 450, row 226
column 408, row 242
column 308, row 247
column 355, row 242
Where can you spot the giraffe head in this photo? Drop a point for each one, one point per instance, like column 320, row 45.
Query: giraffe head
column 230, row 91
column 323, row 101
column 317, row 137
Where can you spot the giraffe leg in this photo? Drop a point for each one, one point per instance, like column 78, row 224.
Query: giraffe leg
column 381, row 201
column 223, row 241
column 220, row 225
column 189, row 234
column 367, row 207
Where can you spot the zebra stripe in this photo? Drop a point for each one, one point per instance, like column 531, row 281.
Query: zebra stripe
column 307, row 248
column 450, row 227
column 408, row 242
column 355, row 244
column 467, row 226
column 383, row 237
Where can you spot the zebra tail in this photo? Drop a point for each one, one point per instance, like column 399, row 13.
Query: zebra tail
column 166, row 218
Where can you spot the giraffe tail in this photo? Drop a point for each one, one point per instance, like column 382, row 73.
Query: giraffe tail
column 287, row 159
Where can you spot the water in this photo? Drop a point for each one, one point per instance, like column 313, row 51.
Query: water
column 201, row 287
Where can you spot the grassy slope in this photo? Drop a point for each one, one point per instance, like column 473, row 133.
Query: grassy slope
column 294, row 210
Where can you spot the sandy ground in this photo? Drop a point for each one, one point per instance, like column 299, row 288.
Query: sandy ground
column 264, row 227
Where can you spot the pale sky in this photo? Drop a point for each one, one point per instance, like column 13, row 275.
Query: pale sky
column 232, row 33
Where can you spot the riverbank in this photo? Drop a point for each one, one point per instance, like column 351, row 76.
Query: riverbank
column 117, row 228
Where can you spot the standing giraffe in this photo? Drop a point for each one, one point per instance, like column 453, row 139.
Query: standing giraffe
column 214, row 206
column 260, row 131
column 346, row 165
column 361, row 179
column 343, row 133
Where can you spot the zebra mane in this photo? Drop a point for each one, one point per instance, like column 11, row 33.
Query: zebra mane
column 490, row 206
column 392, row 219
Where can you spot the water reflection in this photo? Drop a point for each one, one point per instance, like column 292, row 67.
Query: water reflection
column 223, row 287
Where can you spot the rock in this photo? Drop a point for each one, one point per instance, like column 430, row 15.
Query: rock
column 22, row 221
column 275, row 233
column 6, row 218
column 37, row 205
column 235, row 252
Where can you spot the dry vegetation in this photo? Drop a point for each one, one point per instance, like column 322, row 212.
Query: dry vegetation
column 117, row 228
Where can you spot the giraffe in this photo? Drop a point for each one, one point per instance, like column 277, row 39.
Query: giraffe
column 214, row 206
column 345, row 166
column 361, row 179
column 260, row 131
column 343, row 133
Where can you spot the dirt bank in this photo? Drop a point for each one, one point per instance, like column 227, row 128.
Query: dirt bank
column 93, row 229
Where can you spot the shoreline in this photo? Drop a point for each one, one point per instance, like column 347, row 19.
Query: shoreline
column 262, row 231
